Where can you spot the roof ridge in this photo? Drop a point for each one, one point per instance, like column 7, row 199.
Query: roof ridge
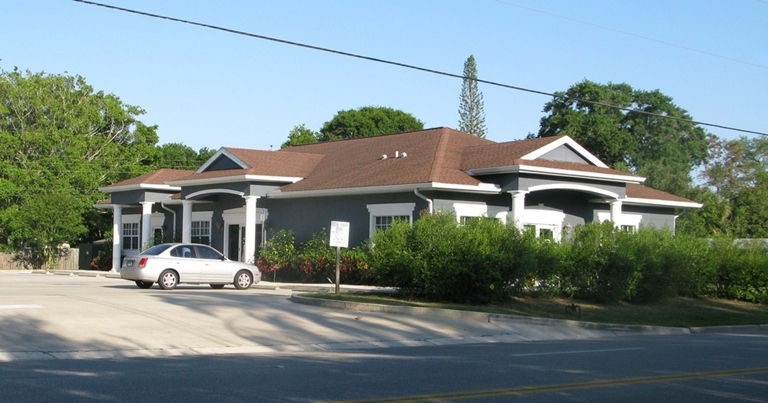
column 442, row 144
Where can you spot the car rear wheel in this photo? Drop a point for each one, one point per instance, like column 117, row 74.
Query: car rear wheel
column 144, row 284
column 168, row 280
column 243, row 280
column 217, row 286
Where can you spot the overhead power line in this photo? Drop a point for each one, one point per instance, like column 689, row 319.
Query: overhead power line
column 647, row 38
column 409, row 66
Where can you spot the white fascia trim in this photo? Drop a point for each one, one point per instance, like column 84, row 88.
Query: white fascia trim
column 661, row 203
column 140, row 186
column 224, row 152
column 237, row 178
column 568, row 173
column 577, row 187
column 565, row 140
column 483, row 188
column 212, row 191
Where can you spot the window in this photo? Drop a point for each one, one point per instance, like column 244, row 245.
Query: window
column 629, row 228
column 541, row 231
column 383, row 215
column 183, row 251
column 131, row 236
column 201, row 232
column 384, row 222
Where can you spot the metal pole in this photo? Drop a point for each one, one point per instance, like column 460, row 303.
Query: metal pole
column 338, row 257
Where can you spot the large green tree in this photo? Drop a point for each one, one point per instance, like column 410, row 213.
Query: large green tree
column 180, row 156
column 734, row 190
column 471, row 108
column 368, row 121
column 734, row 165
column 300, row 135
column 61, row 142
column 643, row 132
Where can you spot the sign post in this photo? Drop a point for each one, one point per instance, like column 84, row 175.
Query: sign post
column 339, row 239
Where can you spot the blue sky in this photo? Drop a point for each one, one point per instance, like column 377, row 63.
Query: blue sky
column 207, row 88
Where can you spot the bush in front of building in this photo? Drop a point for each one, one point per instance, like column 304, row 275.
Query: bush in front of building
column 483, row 261
column 314, row 261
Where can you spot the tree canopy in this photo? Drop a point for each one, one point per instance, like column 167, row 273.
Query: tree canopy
column 180, row 156
column 300, row 135
column 62, row 141
column 368, row 121
column 471, row 108
column 643, row 132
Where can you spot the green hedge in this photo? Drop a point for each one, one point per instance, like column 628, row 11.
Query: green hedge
column 485, row 261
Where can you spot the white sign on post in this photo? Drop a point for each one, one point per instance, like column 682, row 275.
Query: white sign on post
column 339, row 239
column 340, row 234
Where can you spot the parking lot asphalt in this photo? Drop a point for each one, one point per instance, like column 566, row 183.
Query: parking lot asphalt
column 71, row 315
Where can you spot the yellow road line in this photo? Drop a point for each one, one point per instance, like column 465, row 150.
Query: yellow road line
column 527, row 390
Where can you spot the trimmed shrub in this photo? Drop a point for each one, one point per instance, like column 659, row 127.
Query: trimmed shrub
column 741, row 271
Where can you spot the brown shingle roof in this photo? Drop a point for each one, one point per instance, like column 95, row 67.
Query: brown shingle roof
column 432, row 155
column 644, row 192
column 439, row 155
column 264, row 163
column 159, row 177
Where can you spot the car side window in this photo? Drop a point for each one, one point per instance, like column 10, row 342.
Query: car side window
column 208, row 253
column 183, row 252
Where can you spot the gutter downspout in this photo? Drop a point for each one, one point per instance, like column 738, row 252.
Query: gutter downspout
column 429, row 201
column 174, row 219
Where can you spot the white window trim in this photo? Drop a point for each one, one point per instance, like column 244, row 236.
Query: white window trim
column 632, row 220
column 204, row 216
column 131, row 219
column 471, row 209
column 388, row 209
column 544, row 219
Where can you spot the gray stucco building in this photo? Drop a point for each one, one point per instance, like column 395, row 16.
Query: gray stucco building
column 239, row 197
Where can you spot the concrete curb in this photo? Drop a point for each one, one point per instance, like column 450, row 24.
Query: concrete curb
column 731, row 328
column 485, row 317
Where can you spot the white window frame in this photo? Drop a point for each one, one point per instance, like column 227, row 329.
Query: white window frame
column 200, row 218
column 544, row 219
column 388, row 210
column 131, row 220
column 625, row 219
column 463, row 209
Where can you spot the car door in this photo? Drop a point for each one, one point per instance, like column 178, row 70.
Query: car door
column 187, row 263
column 214, row 269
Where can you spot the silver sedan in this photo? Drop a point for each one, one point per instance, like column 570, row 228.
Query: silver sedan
column 170, row 264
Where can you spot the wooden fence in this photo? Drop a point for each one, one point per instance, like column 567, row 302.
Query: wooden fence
column 69, row 262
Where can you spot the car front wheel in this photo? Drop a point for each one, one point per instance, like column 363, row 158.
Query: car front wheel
column 168, row 280
column 144, row 284
column 243, row 280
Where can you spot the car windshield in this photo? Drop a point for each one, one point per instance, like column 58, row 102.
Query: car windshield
column 156, row 250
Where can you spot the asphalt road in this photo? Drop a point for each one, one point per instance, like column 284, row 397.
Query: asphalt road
column 73, row 339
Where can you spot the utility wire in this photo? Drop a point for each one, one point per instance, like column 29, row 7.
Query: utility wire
column 647, row 38
column 412, row 67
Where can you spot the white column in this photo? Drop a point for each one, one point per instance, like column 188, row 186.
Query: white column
column 146, row 224
column 117, row 237
column 186, row 221
column 615, row 212
column 250, row 228
column 518, row 208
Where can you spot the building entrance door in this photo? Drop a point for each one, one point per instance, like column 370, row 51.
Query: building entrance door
column 233, row 242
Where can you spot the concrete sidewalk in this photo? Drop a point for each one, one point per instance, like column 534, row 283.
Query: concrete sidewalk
column 431, row 312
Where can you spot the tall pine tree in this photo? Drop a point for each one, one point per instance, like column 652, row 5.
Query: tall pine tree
column 471, row 113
